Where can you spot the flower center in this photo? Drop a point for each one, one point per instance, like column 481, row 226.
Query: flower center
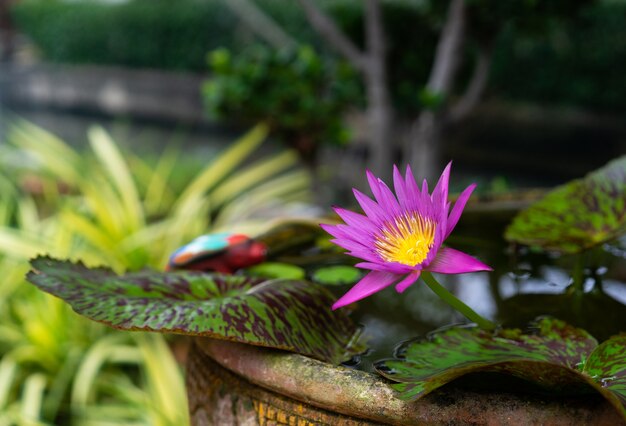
column 407, row 240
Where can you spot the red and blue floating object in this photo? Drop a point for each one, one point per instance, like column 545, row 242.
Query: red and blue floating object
column 223, row 252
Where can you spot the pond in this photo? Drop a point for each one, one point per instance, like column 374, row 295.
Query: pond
column 522, row 286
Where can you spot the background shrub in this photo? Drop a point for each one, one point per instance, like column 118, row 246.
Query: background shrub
column 562, row 65
column 138, row 33
column 299, row 94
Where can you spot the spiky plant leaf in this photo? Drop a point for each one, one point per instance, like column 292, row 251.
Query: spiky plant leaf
column 283, row 314
column 86, row 210
column 578, row 215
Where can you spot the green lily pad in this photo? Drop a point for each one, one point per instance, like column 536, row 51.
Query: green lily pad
column 607, row 367
column 336, row 275
column 595, row 311
column 284, row 314
column 578, row 215
column 555, row 356
column 276, row 270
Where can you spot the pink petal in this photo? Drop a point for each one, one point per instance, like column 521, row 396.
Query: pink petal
column 400, row 187
column 374, row 184
column 407, row 281
column 451, row 261
column 373, row 266
column 395, row 268
column 384, row 196
column 455, row 214
column 426, row 206
column 332, row 230
column 388, row 200
column 408, row 175
column 424, row 187
column 371, row 209
column 370, row 284
column 345, row 232
column 440, row 193
column 413, row 194
column 439, row 239
column 362, row 252
column 356, row 248
column 356, row 220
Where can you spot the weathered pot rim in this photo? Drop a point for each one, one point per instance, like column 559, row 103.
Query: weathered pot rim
column 368, row 396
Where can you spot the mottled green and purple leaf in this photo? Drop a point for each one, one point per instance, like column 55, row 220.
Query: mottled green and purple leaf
column 578, row 215
column 606, row 367
column 293, row 315
column 554, row 355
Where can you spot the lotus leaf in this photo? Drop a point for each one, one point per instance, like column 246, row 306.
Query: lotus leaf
column 554, row 355
column 336, row 275
column 276, row 270
column 293, row 315
column 578, row 215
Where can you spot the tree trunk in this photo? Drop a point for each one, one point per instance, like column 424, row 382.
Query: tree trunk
column 425, row 153
column 424, row 147
column 381, row 142
column 381, row 147
column 372, row 66
column 475, row 88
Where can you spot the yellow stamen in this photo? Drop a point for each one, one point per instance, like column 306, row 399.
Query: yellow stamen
column 407, row 240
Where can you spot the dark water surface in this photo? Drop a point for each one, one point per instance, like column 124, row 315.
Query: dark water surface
column 523, row 286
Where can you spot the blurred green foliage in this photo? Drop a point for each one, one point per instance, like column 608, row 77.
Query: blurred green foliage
column 570, row 55
column 579, row 61
column 299, row 94
column 138, row 33
column 107, row 208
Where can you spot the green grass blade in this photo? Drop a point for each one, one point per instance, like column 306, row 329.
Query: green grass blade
column 22, row 245
column 224, row 164
column 294, row 185
column 8, row 372
column 251, row 177
column 167, row 388
column 32, row 399
column 112, row 348
column 118, row 173
column 105, row 205
column 52, row 153
column 159, row 194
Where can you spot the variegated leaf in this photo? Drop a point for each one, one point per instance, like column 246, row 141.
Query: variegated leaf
column 554, row 355
column 606, row 367
column 285, row 314
column 578, row 215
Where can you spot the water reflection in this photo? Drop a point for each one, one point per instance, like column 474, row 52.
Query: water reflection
column 522, row 286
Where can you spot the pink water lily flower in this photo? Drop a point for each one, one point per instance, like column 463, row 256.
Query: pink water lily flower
column 401, row 235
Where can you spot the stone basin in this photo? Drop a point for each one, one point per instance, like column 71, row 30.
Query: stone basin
column 235, row 384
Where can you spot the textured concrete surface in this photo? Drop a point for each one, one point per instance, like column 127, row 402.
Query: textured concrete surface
column 362, row 398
